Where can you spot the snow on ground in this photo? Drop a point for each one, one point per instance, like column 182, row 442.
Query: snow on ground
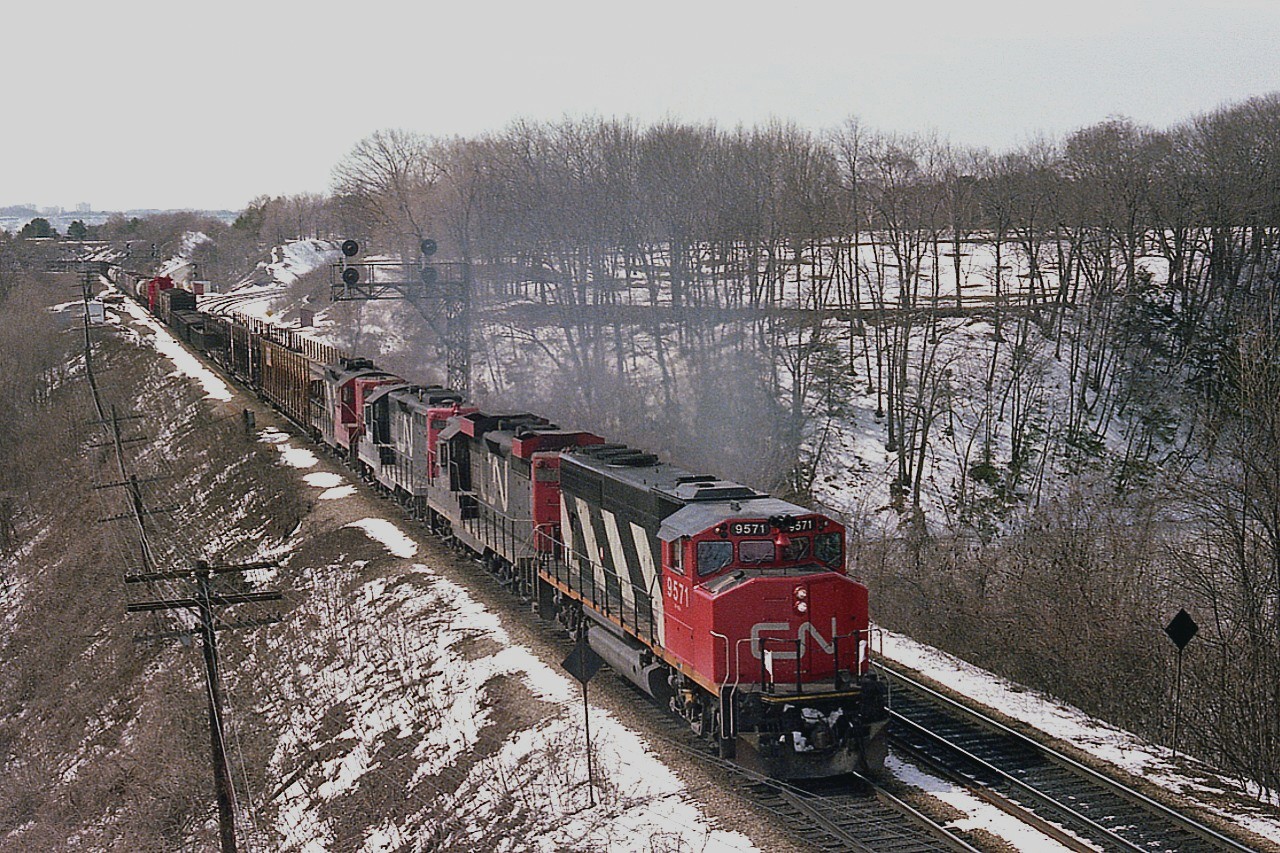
column 299, row 257
column 334, row 486
column 294, row 457
column 324, row 480
column 337, row 493
column 1065, row 723
column 981, row 815
column 392, row 538
column 647, row 801
column 861, row 454
column 167, row 345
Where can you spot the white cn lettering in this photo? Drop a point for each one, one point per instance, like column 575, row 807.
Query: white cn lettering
column 805, row 631
column 497, row 476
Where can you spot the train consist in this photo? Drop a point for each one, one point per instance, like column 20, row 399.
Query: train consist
column 729, row 606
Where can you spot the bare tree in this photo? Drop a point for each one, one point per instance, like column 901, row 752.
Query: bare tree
column 388, row 177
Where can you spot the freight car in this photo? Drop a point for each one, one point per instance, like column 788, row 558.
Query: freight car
column 731, row 607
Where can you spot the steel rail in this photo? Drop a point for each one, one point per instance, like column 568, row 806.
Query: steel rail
column 1184, row 822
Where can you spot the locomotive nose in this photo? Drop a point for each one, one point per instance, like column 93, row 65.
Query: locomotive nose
column 790, row 629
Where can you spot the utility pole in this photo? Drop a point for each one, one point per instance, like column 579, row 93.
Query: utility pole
column 203, row 604
column 137, row 510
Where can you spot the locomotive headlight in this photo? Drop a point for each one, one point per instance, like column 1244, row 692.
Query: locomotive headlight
column 802, row 606
column 802, row 593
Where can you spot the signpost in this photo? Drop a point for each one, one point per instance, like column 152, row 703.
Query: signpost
column 1181, row 630
column 583, row 663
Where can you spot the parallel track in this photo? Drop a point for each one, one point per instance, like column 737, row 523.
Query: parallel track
column 1074, row 804
column 847, row 813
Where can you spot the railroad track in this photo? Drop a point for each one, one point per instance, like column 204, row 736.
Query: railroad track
column 839, row 814
column 854, row 814
column 224, row 304
column 1075, row 805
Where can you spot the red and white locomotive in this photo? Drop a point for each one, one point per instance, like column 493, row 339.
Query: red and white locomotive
column 732, row 607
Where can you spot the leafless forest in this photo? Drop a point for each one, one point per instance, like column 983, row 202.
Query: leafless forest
column 721, row 296
column 1083, row 517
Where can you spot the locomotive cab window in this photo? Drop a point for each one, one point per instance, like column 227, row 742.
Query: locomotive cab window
column 797, row 549
column 756, row 551
column 826, row 547
column 713, row 556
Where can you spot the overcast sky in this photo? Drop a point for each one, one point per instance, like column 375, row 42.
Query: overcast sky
column 171, row 104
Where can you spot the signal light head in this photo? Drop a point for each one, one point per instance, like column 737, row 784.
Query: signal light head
column 350, row 248
column 350, row 275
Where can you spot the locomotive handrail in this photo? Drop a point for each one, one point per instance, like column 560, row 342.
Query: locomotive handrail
column 725, row 683
column 737, row 680
column 605, row 599
column 726, row 657
column 770, row 681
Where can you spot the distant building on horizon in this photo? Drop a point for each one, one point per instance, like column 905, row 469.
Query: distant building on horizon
column 84, row 207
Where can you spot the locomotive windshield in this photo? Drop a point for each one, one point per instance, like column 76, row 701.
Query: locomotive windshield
column 756, row 551
column 713, row 556
column 781, row 542
column 826, row 547
column 796, row 549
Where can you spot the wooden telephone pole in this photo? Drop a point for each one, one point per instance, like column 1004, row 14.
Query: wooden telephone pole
column 203, row 603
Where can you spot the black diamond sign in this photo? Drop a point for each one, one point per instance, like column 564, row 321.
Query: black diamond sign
column 583, row 663
column 1181, row 629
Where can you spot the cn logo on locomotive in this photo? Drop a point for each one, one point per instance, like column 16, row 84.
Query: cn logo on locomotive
column 803, row 633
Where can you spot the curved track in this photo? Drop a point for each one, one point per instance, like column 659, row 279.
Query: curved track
column 225, row 304
column 1079, row 807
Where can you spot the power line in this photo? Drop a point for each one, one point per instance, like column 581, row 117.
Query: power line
column 156, row 540
column 203, row 602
